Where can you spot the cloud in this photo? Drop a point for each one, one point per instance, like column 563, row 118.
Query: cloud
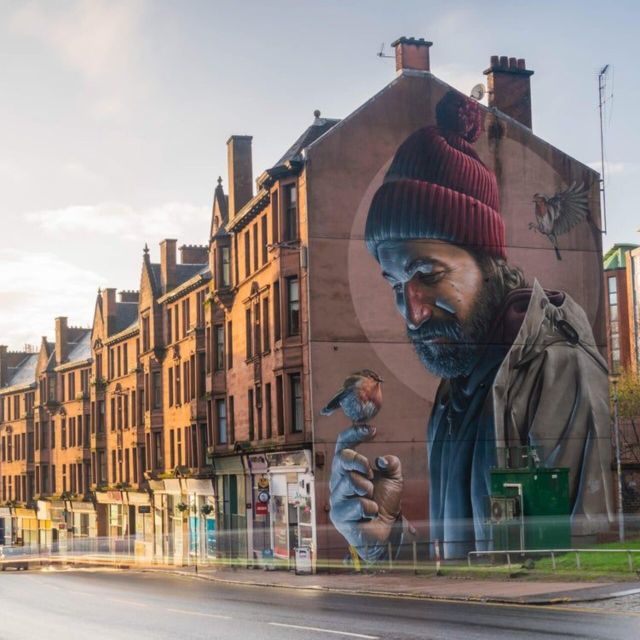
column 35, row 288
column 93, row 37
column 98, row 39
column 171, row 219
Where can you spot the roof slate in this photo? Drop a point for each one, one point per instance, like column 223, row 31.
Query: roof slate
column 25, row 372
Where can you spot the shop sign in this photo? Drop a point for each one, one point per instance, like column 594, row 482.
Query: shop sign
column 262, row 503
column 144, row 508
column 263, row 482
column 258, row 462
column 289, row 459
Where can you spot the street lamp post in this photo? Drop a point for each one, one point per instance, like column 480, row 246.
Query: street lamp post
column 616, row 428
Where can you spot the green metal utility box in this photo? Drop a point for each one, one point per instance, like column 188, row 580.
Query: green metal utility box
column 530, row 508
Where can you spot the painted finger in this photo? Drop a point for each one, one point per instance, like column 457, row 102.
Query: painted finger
column 352, row 485
column 390, row 467
column 351, row 460
column 353, row 436
column 353, row 510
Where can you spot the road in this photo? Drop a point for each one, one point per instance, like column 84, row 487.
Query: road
column 113, row 605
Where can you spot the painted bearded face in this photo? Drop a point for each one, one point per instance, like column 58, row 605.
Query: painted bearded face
column 441, row 292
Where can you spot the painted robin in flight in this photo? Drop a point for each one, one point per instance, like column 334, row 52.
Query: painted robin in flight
column 360, row 397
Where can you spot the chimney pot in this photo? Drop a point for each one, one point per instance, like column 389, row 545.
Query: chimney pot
column 509, row 88
column 412, row 53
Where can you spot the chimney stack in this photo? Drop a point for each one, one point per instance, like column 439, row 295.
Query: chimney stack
column 129, row 296
column 412, row 53
column 4, row 366
column 109, row 309
column 240, row 167
column 62, row 340
column 509, row 88
column 168, row 264
column 194, row 254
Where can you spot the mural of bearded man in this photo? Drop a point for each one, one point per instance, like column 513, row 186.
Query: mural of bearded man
column 518, row 364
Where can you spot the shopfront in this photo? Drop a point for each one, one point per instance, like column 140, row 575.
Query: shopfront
column 81, row 525
column 26, row 527
column 6, row 526
column 141, row 516
column 113, row 521
column 231, row 497
column 202, row 519
column 283, row 504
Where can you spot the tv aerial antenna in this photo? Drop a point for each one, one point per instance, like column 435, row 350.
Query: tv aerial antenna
column 602, row 85
column 382, row 54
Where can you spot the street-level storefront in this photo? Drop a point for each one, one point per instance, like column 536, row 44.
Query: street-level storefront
column 26, row 527
column 6, row 526
column 184, row 520
column 141, row 516
column 202, row 519
column 283, row 504
column 82, row 525
column 113, row 522
column 231, row 497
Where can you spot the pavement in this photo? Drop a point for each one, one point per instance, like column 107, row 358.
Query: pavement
column 407, row 585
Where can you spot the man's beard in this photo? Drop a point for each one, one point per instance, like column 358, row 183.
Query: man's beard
column 464, row 341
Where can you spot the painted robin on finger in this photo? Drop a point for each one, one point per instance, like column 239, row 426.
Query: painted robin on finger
column 360, row 397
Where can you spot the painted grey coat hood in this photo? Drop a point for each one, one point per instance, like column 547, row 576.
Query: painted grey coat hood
column 552, row 391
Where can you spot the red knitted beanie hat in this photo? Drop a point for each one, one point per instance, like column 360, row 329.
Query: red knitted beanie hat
column 438, row 188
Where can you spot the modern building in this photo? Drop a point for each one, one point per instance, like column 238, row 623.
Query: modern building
column 621, row 323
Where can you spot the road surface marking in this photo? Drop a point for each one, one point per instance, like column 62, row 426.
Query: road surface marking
column 339, row 633
column 131, row 602
column 198, row 613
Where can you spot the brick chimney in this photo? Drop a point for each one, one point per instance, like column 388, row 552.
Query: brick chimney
column 509, row 88
column 412, row 53
column 194, row 254
column 109, row 309
column 4, row 367
column 240, row 167
column 62, row 339
column 129, row 296
column 168, row 264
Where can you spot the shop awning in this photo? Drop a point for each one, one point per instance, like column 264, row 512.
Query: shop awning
column 229, row 466
column 199, row 486
column 109, row 497
column 138, row 497
column 25, row 513
column 82, row 507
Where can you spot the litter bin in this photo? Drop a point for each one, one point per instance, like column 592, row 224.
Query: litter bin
column 303, row 561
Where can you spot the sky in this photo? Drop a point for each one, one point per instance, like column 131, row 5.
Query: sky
column 114, row 115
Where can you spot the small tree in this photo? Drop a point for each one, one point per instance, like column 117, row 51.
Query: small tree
column 628, row 390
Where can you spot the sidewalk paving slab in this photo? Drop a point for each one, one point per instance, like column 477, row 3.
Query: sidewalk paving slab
column 411, row 586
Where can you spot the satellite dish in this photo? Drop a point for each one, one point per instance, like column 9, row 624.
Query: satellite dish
column 477, row 93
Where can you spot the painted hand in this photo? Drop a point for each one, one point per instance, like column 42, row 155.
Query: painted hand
column 365, row 502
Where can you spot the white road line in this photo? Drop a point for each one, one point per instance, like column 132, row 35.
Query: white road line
column 130, row 602
column 339, row 633
column 198, row 613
